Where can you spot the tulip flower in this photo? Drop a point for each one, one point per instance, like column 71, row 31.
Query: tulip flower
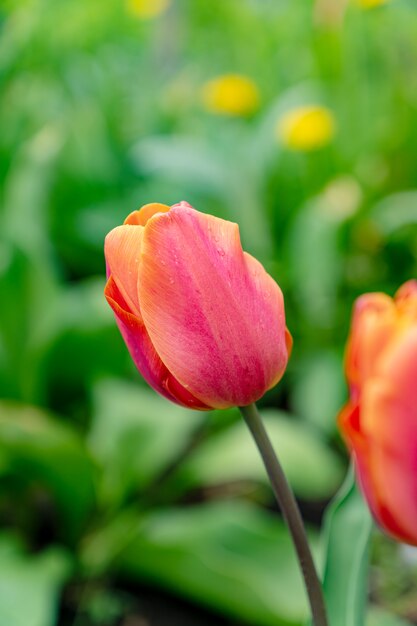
column 203, row 321
column 205, row 326
column 379, row 423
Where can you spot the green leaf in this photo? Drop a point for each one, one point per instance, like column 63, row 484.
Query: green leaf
column 88, row 343
column 315, row 261
column 396, row 211
column 233, row 557
column 41, row 449
column 347, row 531
column 26, row 323
column 30, row 585
column 136, row 434
column 181, row 158
column 379, row 617
column 319, row 389
column 313, row 470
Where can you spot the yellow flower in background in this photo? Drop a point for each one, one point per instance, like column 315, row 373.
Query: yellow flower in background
column 147, row 9
column 231, row 94
column 306, row 128
column 370, row 4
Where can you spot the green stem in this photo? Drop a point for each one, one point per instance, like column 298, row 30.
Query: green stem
column 290, row 511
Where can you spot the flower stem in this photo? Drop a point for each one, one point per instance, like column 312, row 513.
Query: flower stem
column 290, row 511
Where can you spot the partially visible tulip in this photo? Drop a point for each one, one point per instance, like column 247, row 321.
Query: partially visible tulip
column 379, row 423
column 203, row 321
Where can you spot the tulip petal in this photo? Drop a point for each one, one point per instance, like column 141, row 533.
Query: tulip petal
column 350, row 425
column 144, row 354
column 406, row 299
column 349, row 421
column 407, row 290
column 215, row 317
column 398, row 364
column 139, row 218
column 288, row 342
column 374, row 322
column 122, row 251
column 389, row 424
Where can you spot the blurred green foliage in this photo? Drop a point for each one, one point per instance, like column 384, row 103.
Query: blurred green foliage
column 101, row 110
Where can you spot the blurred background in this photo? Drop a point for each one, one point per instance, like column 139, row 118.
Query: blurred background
column 297, row 119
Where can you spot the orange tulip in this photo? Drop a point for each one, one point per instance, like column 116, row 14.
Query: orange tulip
column 379, row 423
column 203, row 321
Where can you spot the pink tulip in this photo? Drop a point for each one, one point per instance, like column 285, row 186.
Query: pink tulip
column 379, row 423
column 203, row 321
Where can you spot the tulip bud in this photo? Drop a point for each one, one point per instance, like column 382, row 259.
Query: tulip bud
column 203, row 321
column 379, row 423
